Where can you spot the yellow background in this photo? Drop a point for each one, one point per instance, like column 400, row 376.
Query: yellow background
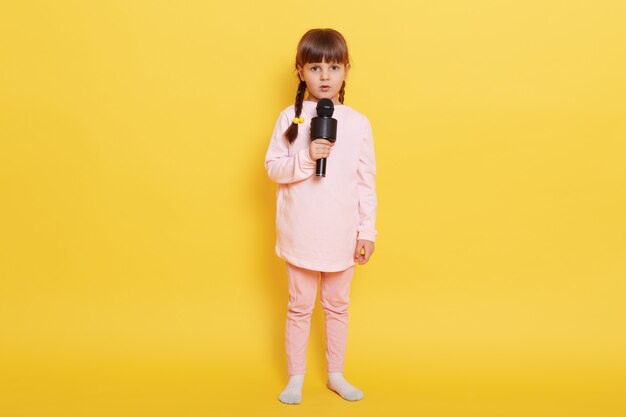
column 138, row 274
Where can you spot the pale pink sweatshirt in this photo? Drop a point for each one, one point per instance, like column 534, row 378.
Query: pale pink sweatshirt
column 319, row 219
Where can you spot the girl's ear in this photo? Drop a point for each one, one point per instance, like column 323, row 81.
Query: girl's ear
column 299, row 68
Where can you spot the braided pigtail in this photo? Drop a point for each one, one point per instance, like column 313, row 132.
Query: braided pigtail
column 292, row 132
column 342, row 92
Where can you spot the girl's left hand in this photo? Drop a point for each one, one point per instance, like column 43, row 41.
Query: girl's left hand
column 366, row 246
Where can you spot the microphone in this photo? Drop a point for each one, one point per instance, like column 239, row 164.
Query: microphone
column 323, row 127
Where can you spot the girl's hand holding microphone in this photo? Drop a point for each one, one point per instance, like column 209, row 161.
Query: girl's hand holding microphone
column 320, row 148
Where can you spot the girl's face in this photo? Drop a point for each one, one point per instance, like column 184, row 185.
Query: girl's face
column 323, row 79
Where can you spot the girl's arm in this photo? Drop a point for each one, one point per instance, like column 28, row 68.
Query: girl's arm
column 366, row 173
column 281, row 167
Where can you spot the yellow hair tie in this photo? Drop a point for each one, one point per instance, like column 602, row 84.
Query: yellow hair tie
column 297, row 120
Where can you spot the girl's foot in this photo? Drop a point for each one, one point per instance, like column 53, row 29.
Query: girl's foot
column 338, row 383
column 292, row 394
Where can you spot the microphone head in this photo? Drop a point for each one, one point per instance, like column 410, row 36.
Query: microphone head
column 325, row 108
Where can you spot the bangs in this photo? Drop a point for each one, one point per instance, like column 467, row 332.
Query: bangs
column 323, row 47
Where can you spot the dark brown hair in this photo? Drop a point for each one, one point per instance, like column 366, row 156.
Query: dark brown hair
column 317, row 45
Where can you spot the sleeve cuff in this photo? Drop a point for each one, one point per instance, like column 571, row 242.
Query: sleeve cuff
column 366, row 236
column 306, row 158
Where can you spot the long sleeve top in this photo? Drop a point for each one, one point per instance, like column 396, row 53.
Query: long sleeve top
column 319, row 219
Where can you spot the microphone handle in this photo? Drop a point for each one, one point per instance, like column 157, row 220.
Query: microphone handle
column 320, row 167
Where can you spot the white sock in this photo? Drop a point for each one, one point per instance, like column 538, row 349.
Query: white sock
column 292, row 394
column 338, row 383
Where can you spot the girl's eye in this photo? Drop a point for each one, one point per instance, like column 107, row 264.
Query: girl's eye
column 334, row 67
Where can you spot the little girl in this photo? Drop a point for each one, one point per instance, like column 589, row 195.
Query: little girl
column 324, row 225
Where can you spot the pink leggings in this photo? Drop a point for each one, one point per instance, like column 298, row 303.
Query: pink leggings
column 334, row 295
